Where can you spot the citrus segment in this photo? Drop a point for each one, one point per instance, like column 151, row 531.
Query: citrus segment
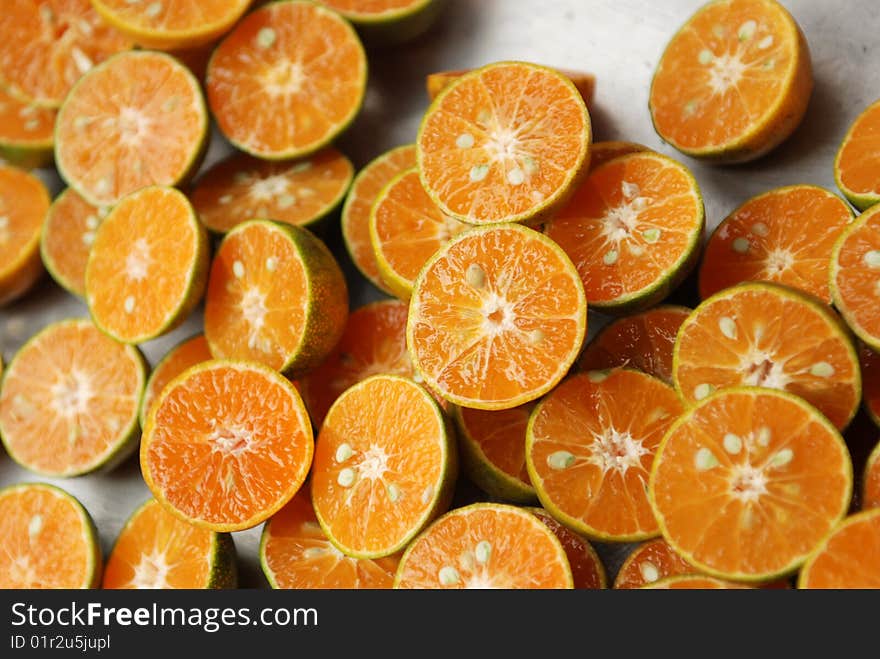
column 295, row 553
column 148, row 265
column 26, row 138
column 734, row 81
column 870, row 368
column 485, row 545
column 367, row 185
column 69, row 400
column 497, row 317
column 226, row 445
column 766, row 335
column 602, row 152
column 504, row 143
column 857, row 166
column 188, row 353
column 748, row 483
column 388, row 22
column 871, row 480
column 242, row 188
column 24, row 202
column 651, row 562
column 848, row 558
column 643, row 341
column 633, row 229
column 275, row 295
column 384, row 466
column 136, row 120
column 155, row 550
column 784, row 236
column 49, row 539
column 406, row 229
column 585, row 83
column 589, row 450
column 693, row 582
column 47, row 45
column 287, row 80
column 587, row 570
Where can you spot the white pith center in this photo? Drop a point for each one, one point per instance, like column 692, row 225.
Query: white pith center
column 230, row 440
column 137, row 262
column 152, row 571
column 253, row 310
column 498, row 315
column 759, row 370
column 748, row 483
column 616, row 451
column 502, row 144
column 480, row 581
column 779, row 260
column 21, row 571
column 133, row 126
column 374, row 463
column 269, row 188
column 285, row 78
column 71, row 395
column 726, row 71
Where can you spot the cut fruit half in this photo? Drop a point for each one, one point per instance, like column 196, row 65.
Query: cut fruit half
column 849, row 558
column 750, row 482
column 693, row 582
column 385, row 465
column 505, row 143
column 649, row 563
column 767, row 335
column 586, row 567
column 871, row 481
column 188, row 353
column 155, row 550
column 226, row 445
column 24, row 201
column 49, row 540
column 69, row 400
column 857, row 166
column 585, row 83
column 633, row 229
column 26, row 132
column 388, row 22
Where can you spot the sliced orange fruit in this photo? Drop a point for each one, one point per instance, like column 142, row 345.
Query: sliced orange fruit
column 870, row 362
column 651, row 562
column 147, row 113
column 49, row 539
column 492, row 445
column 587, row 570
column 589, row 449
column 226, row 445
column 643, row 341
column 871, row 480
column 504, row 143
column 384, row 466
column 155, row 550
column 148, row 265
column 46, row 45
column 693, row 582
column 406, row 229
column 497, row 317
column 189, row 352
column 365, row 188
column 24, row 201
column 745, row 61
column 633, row 229
column 295, row 553
column 26, row 132
column 749, row 482
column 388, row 22
column 172, row 25
column 857, row 165
column 602, row 152
column 275, row 295
column 767, row 335
column 67, row 238
column 585, row 83
column 849, row 558
column 785, row 235
column 69, row 400
column 855, row 266
column 243, row 188
column 287, row 80
column 485, row 545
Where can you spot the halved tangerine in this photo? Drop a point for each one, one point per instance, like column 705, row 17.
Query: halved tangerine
column 586, row 566
column 870, row 368
column 857, row 165
column 871, row 480
column 24, row 201
column 26, row 132
column 388, row 22
column 693, row 582
column 650, row 562
column 584, row 82
column 189, row 352
column 849, row 558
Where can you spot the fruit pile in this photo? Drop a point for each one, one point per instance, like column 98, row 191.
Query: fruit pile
column 713, row 435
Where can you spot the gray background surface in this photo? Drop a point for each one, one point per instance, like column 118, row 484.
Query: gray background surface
column 620, row 41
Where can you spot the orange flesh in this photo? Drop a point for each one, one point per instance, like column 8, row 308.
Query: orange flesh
column 735, row 60
column 227, row 444
column 356, row 215
column 58, row 555
column 22, row 124
column 585, row 83
column 374, row 342
column 523, row 552
column 755, row 512
column 157, row 550
column 287, row 79
column 143, row 263
column 630, row 225
column 694, row 582
column 591, row 448
column 644, row 341
column 870, row 363
column 506, row 333
column 586, row 568
column 298, row 554
column 871, row 481
column 850, row 558
column 46, row 45
column 500, row 435
column 602, row 152
column 68, row 235
column 777, row 339
column 650, row 562
column 408, row 228
column 854, row 270
column 146, row 112
column 396, row 436
column 24, row 202
column 858, row 162
column 68, row 398
column 243, row 188
column 784, row 236
column 189, row 353
column 503, row 143
column 370, row 8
